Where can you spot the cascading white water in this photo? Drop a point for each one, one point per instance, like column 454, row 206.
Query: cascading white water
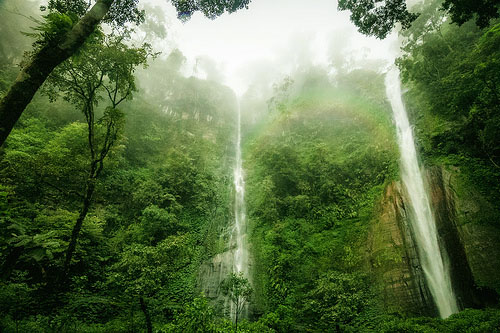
column 235, row 258
column 239, row 234
column 423, row 224
column 240, row 258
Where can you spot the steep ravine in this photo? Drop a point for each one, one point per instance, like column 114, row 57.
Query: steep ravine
column 472, row 247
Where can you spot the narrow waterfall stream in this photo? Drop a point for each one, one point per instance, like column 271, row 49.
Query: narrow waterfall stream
column 240, row 256
column 239, row 232
column 423, row 225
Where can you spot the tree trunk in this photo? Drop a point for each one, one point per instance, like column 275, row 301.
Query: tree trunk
column 146, row 314
column 41, row 65
column 78, row 225
column 236, row 314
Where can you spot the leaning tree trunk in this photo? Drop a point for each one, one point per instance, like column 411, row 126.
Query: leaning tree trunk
column 78, row 225
column 43, row 62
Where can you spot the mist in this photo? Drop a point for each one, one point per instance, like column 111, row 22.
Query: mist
column 269, row 40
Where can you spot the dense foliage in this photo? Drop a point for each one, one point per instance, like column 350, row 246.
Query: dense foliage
column 313, row 179
column 157, row 206
column 116, row 184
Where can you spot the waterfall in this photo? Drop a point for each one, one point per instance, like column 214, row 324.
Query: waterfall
column 235, row 257
column 423, row 225
column 240, row 257
column 239, row 232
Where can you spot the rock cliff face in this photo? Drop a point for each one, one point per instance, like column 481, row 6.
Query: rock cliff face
column 472, row 246
column 472, row 243
column 211, row 274
column 394, row 258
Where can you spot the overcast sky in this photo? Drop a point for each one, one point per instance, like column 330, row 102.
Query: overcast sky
column 272, row 37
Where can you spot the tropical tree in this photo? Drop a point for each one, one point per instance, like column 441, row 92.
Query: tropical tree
column 483, row 11
column 143, row 272
column 102, row 70
column 376, row 17
column 239, row 291
column 379, row 17
column 66, row 28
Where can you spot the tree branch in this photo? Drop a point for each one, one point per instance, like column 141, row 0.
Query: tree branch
column 42, row 64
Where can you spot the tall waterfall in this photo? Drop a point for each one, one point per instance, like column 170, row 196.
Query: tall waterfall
column 423, row 225
column 239, row 232
column 240, row 256
column 235, row 256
